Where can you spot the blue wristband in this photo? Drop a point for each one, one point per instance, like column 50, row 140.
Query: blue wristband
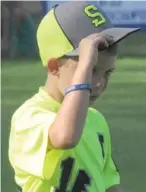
column 78, row 87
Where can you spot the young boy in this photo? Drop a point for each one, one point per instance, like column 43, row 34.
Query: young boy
column 58, row 143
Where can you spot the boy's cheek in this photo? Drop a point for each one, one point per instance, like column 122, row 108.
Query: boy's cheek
column 106, row 83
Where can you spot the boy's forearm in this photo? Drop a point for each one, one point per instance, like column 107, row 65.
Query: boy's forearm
column 68, row 125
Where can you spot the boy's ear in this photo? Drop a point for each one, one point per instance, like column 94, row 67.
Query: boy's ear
column 53, row 66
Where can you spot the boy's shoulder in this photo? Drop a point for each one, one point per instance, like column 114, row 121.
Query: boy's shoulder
column 98, row 118
column 31, row 109
column 96, row 114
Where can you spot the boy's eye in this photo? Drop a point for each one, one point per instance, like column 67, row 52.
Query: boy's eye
column 94, row 70
column 108, row 73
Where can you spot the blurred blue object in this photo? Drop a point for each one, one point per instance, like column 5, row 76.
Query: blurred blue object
column 121, row 13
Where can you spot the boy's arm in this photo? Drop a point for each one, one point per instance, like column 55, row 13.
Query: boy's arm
column 67, row 128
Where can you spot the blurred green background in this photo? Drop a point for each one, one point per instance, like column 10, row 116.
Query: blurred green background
column 123, row 105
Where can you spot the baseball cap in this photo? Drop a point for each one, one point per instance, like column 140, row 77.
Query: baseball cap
column 63, row 27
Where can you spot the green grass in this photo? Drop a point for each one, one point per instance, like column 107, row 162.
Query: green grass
column 123, row 105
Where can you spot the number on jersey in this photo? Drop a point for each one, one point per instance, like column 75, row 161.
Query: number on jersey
column 82, row 179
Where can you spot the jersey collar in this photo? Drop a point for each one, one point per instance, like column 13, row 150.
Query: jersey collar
column 49, row 100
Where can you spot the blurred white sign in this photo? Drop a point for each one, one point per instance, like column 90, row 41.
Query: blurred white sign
column 125, row 12
column 121, row 13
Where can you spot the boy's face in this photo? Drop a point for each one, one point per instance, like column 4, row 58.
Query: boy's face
column 101, row 73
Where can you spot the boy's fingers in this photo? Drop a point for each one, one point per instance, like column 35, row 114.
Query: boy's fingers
column 103, row 45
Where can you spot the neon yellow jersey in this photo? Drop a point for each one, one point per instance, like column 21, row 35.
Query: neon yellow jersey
column 38, row 168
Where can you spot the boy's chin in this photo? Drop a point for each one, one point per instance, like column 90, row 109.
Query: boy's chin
column 91, row 103
column 93, row 100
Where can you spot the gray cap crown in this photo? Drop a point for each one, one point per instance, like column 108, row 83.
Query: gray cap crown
column 75, row 23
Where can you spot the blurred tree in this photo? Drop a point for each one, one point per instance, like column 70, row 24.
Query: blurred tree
column 21, row 31
column 5, row 16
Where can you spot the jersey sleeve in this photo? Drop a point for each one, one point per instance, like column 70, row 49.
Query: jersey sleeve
column 111, row 173
column 29, row 149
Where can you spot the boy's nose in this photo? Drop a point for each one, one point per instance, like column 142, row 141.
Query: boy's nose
column 96, row 85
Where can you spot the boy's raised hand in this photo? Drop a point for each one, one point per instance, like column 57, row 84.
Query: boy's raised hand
column 91, row 45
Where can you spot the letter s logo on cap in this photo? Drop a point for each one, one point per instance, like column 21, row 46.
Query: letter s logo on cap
column 98, row 17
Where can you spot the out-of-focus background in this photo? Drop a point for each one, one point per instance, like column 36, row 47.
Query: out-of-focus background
column 123, row 104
